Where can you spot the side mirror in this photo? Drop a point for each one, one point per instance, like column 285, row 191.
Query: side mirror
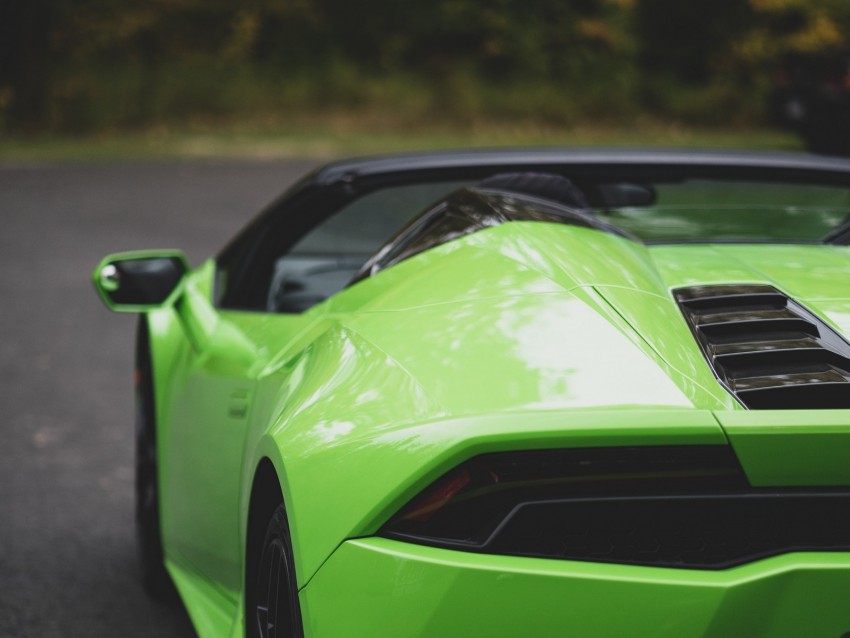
column 139, row 281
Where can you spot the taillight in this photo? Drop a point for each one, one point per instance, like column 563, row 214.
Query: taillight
column 465, row 506
column 444, row 490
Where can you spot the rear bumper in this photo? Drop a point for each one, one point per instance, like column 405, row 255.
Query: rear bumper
column 379, row 587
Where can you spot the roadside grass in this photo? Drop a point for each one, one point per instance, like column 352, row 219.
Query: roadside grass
column 340, row 135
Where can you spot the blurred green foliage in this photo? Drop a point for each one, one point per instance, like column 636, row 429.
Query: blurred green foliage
column 94, row 65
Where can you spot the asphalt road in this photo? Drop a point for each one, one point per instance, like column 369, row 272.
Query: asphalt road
column 67, row 546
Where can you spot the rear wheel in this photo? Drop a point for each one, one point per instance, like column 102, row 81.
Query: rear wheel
column 154, row 576
column 273, row 610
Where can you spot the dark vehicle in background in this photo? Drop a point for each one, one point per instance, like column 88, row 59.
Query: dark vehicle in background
column 812, row 96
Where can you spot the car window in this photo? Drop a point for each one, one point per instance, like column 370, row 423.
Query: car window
column 323, row 261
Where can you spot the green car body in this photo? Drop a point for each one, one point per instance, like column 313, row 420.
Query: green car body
column 523, row 336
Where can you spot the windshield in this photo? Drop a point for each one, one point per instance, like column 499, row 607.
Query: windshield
column 730, row 211
column 313, row 244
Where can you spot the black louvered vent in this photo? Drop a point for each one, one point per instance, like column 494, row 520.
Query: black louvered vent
column 767, row 349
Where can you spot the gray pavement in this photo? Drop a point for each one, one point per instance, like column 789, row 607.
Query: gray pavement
column 67, row 545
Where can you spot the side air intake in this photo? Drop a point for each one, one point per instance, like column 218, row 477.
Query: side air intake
column 767, row 349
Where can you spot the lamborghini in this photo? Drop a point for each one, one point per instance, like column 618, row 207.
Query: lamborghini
column 505, row 393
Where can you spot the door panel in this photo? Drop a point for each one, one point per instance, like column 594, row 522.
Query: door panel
column 208, row 421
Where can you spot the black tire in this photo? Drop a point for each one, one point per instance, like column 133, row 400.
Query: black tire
column 155, row 578
column 272, row 608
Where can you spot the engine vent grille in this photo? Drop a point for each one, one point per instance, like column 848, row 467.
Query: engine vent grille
column 767, row 349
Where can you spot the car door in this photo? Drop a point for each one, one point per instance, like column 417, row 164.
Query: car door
column 226, row 347
column 222, row 354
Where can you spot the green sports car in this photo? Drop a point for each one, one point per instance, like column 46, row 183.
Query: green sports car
column 505, row 393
